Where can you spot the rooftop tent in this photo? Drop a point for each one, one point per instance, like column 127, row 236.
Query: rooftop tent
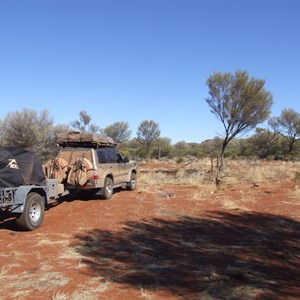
column 84, row 139
column 20, row 167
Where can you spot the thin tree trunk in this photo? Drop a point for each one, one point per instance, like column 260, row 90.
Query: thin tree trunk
column 291, row 146
column 159, row 150
column 221, row 165
column 218, row 171
column 148, row 150
column 224, row 145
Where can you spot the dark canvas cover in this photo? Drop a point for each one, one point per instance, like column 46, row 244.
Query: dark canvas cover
column 20, row 167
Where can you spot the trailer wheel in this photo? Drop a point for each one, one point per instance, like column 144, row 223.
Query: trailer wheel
column 33, row 213
column 108, row 188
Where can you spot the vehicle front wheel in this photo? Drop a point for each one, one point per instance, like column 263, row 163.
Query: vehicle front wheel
column 33, row 214
column 108, row 188
column 132, row 183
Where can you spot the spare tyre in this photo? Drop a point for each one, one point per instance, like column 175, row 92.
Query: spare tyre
column 57, row 169
column 81, row 172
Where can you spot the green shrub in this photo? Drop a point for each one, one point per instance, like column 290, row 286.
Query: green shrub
column 180, row 160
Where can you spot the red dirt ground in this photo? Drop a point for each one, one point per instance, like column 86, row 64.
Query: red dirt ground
column 160, row 242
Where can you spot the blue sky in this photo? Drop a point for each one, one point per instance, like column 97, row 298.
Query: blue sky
column 144, row 60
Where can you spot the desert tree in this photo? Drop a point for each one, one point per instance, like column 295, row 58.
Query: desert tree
column 119, row 131
column 212, row 147
column 27, row 129
column 164, row 147
column 130, row 148
column 288, row 126
column 239, row 102
column 148, row 132
column 263, row 142
column 84, row 123
column 52, row 148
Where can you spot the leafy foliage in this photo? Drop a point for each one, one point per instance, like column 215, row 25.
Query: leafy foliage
column 84, row 123
column 288, row 126
column 36, row 132
column 163, row 149
column 147, row 133
column 119, row 131
column 239, row 102
column 27, row 129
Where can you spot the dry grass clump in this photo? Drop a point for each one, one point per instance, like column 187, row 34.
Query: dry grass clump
column 297, row 176
column 4, row 271
column 70, row 253
column 248, row 200
column 217, row 285
column 295, row 193
column 146, row 294
column 233, row 205
column 193, row 173
column 90, row 290
column 199, row 173
column 160, row 178
column 153, row 178
column 258, row 171
column 207, row 189
column 24, row 283
column 281, row 171
column 47, row 242
column 193, row 177
column 60, row 296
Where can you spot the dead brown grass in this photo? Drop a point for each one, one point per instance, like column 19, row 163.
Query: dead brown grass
column 198, row 173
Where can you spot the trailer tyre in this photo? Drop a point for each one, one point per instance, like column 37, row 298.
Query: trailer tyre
column 33, row 213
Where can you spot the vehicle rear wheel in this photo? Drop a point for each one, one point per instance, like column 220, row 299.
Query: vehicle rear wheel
column 132, row 183
column 33, row 213
column 108, row 188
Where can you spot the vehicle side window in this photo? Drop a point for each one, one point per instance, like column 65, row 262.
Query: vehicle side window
column 111, row 156
column 102, row 157
column 119, row 158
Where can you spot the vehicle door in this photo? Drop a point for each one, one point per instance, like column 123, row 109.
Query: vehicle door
column 107, row 164
column 115, row 166
column 123, row 168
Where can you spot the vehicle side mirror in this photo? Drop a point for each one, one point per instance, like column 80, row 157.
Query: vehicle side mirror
column 126, row 160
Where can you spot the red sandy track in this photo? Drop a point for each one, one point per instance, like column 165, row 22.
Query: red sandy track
column 159, row 243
